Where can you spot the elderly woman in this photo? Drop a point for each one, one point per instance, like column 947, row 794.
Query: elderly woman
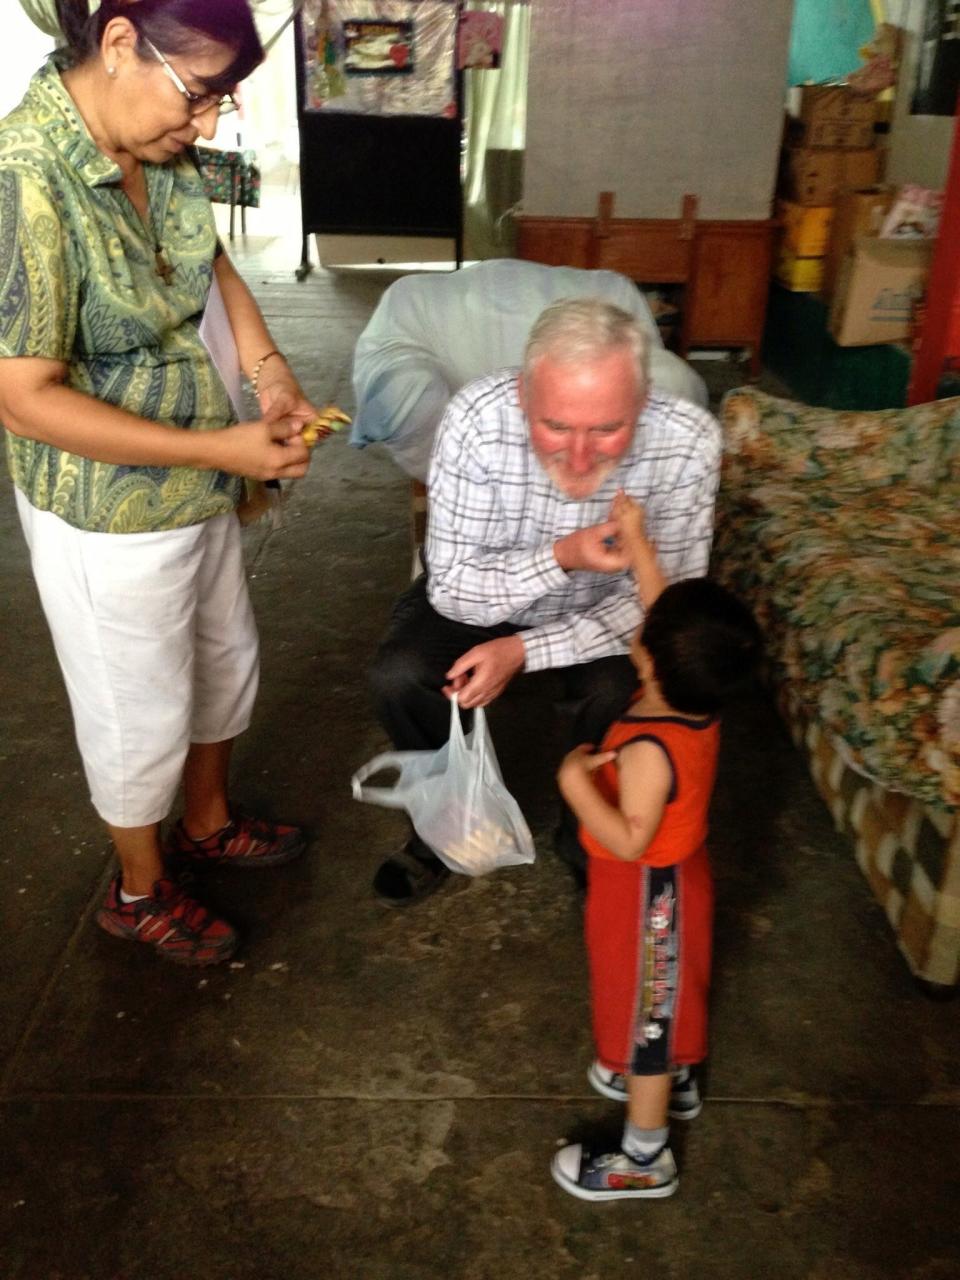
column 126, row 454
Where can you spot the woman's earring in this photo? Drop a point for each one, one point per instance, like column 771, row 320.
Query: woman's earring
column 111, row 71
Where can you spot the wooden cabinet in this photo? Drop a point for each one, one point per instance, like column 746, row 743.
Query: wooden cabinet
column 726, row 295
column 724, row 266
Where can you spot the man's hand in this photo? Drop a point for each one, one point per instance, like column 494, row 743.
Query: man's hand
column 483, row 672
column 596, row 548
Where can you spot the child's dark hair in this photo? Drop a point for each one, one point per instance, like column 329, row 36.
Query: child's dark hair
column 704, row 644
column 173, row 26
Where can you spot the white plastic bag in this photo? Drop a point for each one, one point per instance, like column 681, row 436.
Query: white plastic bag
column 456, row 799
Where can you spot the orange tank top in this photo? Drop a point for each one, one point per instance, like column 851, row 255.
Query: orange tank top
column 691, row 746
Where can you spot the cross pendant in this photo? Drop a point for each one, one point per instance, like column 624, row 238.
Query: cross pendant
column 162, row 267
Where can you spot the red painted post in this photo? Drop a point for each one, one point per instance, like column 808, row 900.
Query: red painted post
column 943, row 286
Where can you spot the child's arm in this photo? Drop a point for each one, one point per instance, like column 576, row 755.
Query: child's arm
column 642, row 552
column 646, row 778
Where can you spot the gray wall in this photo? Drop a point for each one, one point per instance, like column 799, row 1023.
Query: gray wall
column 652, row 99
column 919, row 145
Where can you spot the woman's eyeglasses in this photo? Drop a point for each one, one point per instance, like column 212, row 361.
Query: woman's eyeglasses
column 197, row 103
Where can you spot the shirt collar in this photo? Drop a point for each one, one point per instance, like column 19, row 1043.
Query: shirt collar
column 62, row 124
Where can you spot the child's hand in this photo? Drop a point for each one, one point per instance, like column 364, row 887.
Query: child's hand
column 631, row 524
column 584, row 759
column 629, row 516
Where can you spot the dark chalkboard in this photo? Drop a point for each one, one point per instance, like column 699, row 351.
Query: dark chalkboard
column 377, row 175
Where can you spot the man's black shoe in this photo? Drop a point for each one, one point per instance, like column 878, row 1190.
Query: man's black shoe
column 408, row 876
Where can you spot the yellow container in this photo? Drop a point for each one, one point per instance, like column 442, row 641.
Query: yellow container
column 802, row 275
column 806, row 229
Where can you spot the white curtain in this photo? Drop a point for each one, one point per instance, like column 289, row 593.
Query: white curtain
column 268, row 119
column 495, row 104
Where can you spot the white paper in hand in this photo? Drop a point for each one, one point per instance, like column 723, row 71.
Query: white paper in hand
column 217, row 336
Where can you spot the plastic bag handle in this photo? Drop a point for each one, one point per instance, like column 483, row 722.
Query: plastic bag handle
column 480, row 739
column 394, row 797
column 457, row 739
column 390, row 797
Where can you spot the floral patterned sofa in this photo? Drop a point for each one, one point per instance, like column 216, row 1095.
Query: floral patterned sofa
column 842, row 531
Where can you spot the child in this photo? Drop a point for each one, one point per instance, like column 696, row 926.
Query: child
column 642, row 803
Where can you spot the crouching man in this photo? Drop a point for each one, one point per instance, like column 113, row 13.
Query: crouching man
column 524, row 566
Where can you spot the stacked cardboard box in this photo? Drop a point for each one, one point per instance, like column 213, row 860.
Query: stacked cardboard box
column 803, row 245
column 830, row 149
column 879, row 262
column 857, row 213
column 813, row 177
column 833, row 116
column 879, row 284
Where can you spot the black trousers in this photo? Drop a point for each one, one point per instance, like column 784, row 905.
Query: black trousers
column 409, row 672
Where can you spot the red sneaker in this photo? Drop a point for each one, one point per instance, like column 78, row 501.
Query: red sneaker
column 176, row 926
column 243, row 842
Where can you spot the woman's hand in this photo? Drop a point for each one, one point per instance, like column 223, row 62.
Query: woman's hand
column 265, row 450
column 283, row 397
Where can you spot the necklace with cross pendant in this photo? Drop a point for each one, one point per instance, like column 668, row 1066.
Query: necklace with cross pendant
column 138, row 195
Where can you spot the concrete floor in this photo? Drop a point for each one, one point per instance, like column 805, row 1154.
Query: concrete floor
column 367, row 1094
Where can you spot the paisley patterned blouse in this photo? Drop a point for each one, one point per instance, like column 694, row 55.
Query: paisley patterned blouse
column 79, row 283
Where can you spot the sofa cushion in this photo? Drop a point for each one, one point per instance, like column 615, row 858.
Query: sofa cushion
column 918, row 448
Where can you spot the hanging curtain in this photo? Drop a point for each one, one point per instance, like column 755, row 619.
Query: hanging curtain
column 267, row 123
column 43, row 14
column 495, row 104
column 23, row 49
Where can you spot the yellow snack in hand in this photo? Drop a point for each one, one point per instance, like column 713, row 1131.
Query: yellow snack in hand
column 327, row 421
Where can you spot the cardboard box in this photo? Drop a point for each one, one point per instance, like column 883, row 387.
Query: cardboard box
column 878, row 284
column 857, row 213
column 816, row 177
column 802, row 275
column 834, row 116
column 806, row 229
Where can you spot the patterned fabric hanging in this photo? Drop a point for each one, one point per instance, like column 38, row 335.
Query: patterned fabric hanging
column 43, row 14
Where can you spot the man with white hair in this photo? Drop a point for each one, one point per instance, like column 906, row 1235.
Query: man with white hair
column 524, row 568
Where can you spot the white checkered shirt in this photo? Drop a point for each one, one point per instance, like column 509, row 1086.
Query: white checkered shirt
column 494, row 516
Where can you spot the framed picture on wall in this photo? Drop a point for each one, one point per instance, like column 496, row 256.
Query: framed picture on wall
column 379, row 57
column 479, row 41
column 377, row 48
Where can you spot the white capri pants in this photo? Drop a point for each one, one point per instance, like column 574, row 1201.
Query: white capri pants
column 156, row 639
